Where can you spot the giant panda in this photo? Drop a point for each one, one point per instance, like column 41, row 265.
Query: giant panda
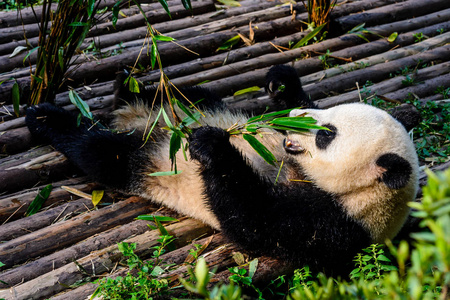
column 338, row 190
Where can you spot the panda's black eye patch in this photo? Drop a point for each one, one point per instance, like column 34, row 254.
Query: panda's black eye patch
column 325, row 137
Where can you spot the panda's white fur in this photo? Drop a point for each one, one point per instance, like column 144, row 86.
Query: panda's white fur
column 347, row 167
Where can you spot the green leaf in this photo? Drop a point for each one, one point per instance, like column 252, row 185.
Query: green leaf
column 133, row 85
column 253, row 265
column 78, row 24
column 363, row 37
column 154, row 124
column 17, row 51
column 230, row 43
column 260, row 149
column 174, row 144
column 15, row 93
column 91, row 7
column 29, row 53
column 153, row 54
column 115, row 13
column 269, row 116
column 40, row 199
column 80, row 104
column 298, row 123
column 163, row 38
column 392, row 37
column 309, row 36
column 169, row 173
column 159, row 218
column 165, row 6
column 97, row 196
column 232, row 3
column 187, row 111
column 61, row 57
column 247, row 90
column 357, row 28
column 187, row 4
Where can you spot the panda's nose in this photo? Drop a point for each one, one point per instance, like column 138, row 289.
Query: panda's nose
column 292, row 147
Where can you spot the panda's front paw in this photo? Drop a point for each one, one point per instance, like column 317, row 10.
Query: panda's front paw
column 45, row 120
column 207, row 143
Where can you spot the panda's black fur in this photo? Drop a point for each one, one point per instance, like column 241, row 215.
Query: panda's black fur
column 299, row 222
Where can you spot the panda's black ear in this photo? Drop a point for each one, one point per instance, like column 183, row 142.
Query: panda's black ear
column 396, row 170
column 408, row 115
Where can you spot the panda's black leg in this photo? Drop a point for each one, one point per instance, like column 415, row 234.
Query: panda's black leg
column 284, row 87
column 103, row 155
column 302, row 224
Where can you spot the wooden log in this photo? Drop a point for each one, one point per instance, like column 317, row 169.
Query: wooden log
column 227, row 86
column 176, row 257
column 394, row 12
column 376, row 73
column 383, row 87
column 12, row 230
column 102, row 261
column 123, row 36
column 380, row 46
column 174, row 54
column 28, row 16
column 14, row 206
column 65, row 256
column 421, row 89
column 57, row 236
column 9, row 34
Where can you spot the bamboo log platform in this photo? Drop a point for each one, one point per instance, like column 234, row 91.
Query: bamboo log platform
column 69, row 240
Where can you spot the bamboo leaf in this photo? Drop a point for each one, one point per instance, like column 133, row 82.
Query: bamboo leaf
column 115, row 13
column 133, row 85
column 253, row 265
column 357, row 28
column 159, row 218
column 168, row 173
column 265, row 117
column 230, row 3
column 187, row 4
column 309, row 36
column 61, row 57
column 260, row 149
column 247, row 90
column 154, row 124
column 15, row 93
column 79, row 24
column 297, row 123
column 392, row 37
column 229, row 43
column 29, row 53
column 165, row 6
column 153, row 54
column 163, row 38
column 80, row 104
column 40, row 199
column 186, row 111
column 17, row 51
column 174, row 144
column 97, row 197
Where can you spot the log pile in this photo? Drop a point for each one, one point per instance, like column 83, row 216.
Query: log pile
column 69, row 240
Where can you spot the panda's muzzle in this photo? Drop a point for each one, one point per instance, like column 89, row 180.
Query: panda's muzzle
column 292, row 147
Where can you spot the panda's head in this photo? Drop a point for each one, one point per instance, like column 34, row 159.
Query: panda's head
column 366, row 160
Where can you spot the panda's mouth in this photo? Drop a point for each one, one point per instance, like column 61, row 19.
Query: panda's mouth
column 292, row 147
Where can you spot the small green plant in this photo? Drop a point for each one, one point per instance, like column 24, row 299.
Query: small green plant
column 239, row 276
column 443, row 91
column 142, row 284
column 325, row 59
column 372, row 265
column 419, row 37
column 432, row 135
